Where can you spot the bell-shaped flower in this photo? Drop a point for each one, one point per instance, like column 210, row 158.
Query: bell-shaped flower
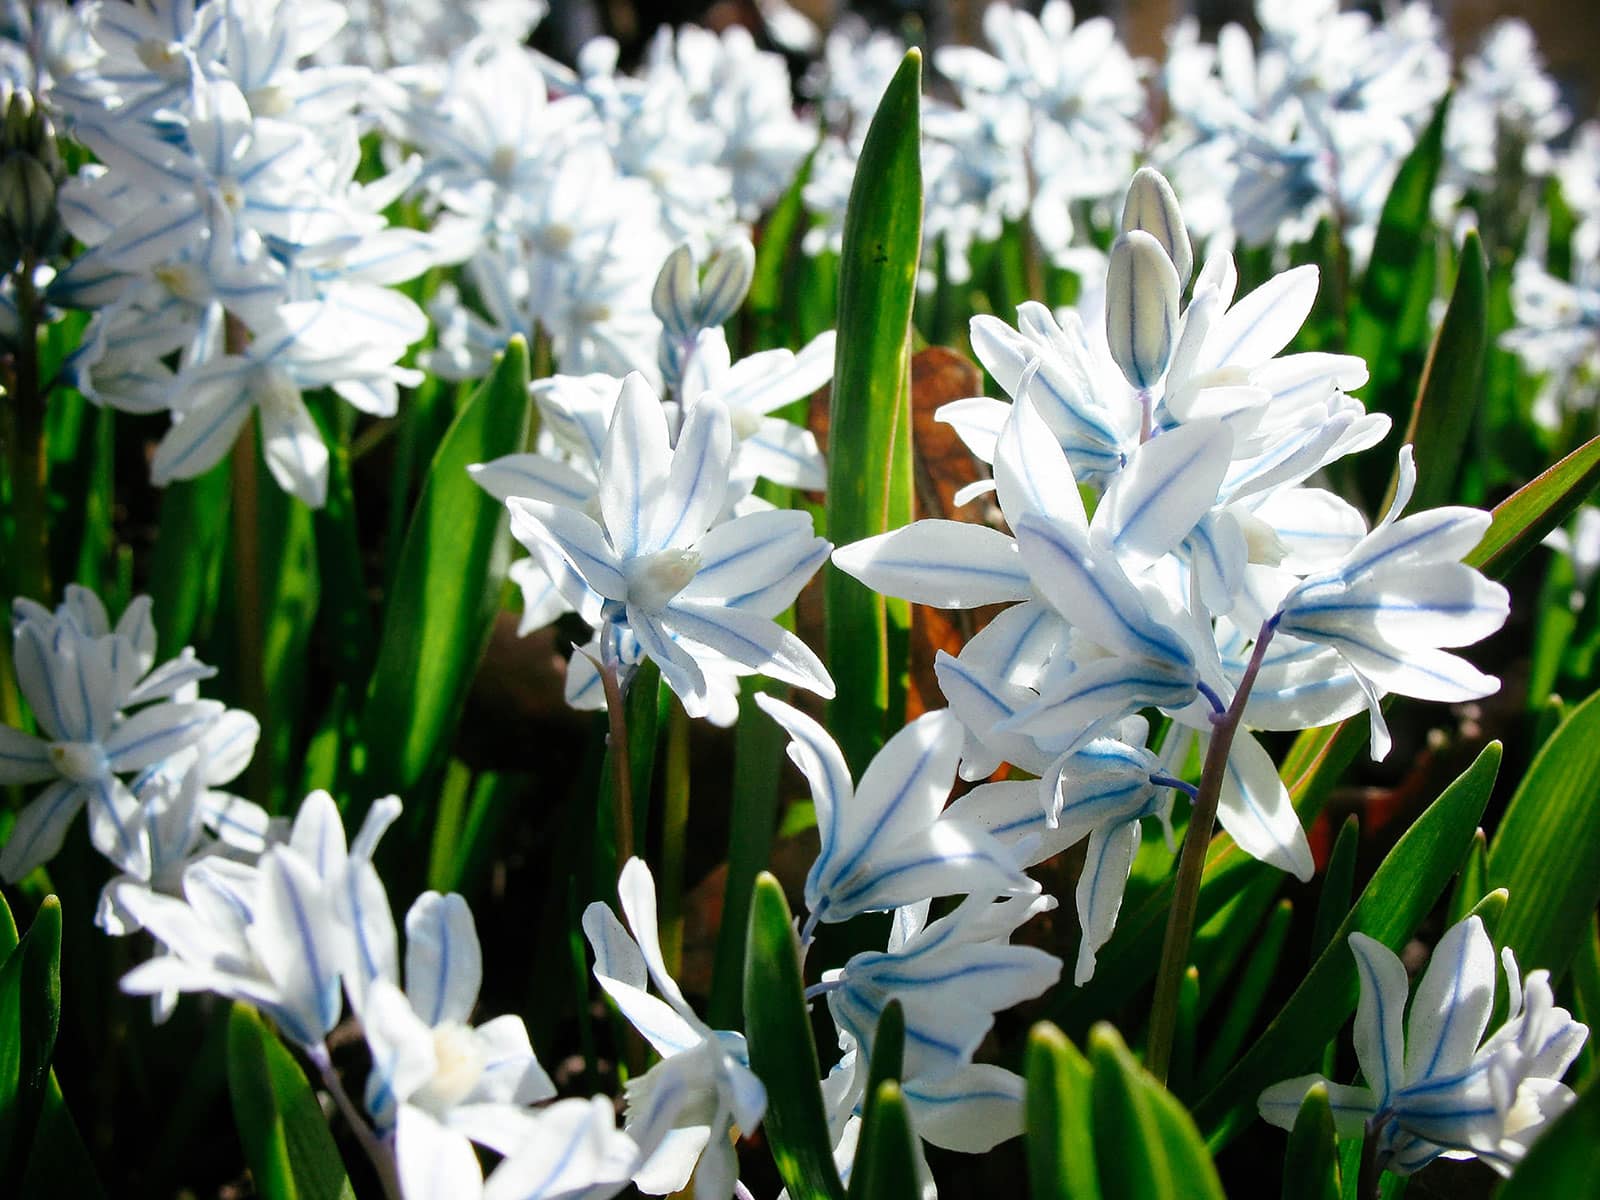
column 950, row 976
column 1431, row 1089
column 886, row 843
column 683, row 1110
column 663, row 569
column 267, row 934
column 424, row 1052
column 569, row 1150
column 79, row 679
column 1401, row 595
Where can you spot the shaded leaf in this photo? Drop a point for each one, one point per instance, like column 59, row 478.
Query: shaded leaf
column 1311, row 1164
column 1061, row 1153
column 30, row 1012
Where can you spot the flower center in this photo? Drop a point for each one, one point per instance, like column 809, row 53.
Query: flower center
column 164, row 58
column 460, row 1065
column 183, row 281
column 81, row 762
column 655, row 579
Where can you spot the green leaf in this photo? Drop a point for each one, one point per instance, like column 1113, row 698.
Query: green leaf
column 59, row 1164
column 1586, row 1001
column 30, row 1011
column 1452, row 382
column 871, row 398
column 1473, row 883
column 346, row 612
column 287, row 1144
column 1522, row 520
column 1180, row 1071
column 1248, row 993
column 186, row 565
column 782, row 1051
column 758, row 743
column 1562, row 1161
column 886, row 1161
column 1546, row 852
column 1388, row 324
column 1156, row 1151
column 1311, row 1164
column 1060, row 1137
column 447, row 586
column 1338, row 886
column 1399, row 896
column 771, row 289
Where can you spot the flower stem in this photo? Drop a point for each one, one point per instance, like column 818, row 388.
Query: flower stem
column 28, row 460
column 617, row 751
column 248, row 617
column 380, row 1153
column 674, row 833
column 1370, row 1176
column 1191, row 865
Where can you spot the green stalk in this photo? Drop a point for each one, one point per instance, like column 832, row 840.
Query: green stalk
column 28, row 458
column 1191, row 866
column 250, row 620
column 674, row 833
column 621, row 760
column 1369, row 1180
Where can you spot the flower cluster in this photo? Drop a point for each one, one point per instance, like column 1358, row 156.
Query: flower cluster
column 1435, row 1087
column 1211, row 581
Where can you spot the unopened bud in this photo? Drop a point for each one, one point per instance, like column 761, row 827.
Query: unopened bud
column 1141, row 307
column 727, row 281
column 1152, row 206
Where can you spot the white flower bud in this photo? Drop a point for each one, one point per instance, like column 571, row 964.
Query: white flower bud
column 1141, row 308
column 1152, row 206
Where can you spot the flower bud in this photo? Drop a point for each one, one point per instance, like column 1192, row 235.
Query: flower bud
column 30, row 173
column 1141, row 307
column 727, row 280
column 1152, row 206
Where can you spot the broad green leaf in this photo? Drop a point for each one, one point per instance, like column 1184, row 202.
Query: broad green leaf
column 1155, row 1149
column 1546, row 852
column 287, row 1143
column 886, row 1161
column 1249, row 992
column 758, row 749
column 771, row 291
column 1311, row 1164
column 1522, row 520
column 1061, row 1159
column 59, row 1164
column 885, row 1166
column 1473, row 882
column 782, row 1051
column 1586, row 1001
column 1388, row 323
column 871, row 398
column 1452, row 382
column 1338, row 886
column 30, row 1011
column 447, row 586
column 1562, row 1162
column 186, row 566
column 1400, row 894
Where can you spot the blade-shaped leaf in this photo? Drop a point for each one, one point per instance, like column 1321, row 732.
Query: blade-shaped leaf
column 286, row 1140
column 1061, row 1162
column 1522, row 519
column 59, row 1164
column 186, row 565
column 886, row 1160
column 1311, row 1164
column 871, row 398
column 1399, row 895
column 1156, row 1151
column 1546, row 852
column 447, row 586
column 1452, row 381
column 782, row 1051
column 30, row 1011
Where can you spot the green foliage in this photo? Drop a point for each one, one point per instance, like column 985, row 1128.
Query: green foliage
column 1061, row 1146
column 1546, row 852
column 1522, row 520
column 872, row 405
column 1311, row 1165
column 286, row 1140
column 447, row 587
column 886, row 1157
column 782, row 1051
column 30, row 1012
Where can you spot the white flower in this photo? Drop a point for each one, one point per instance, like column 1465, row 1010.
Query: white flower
column 661, row 569
column 682, row 1111
column 1431, row 1089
